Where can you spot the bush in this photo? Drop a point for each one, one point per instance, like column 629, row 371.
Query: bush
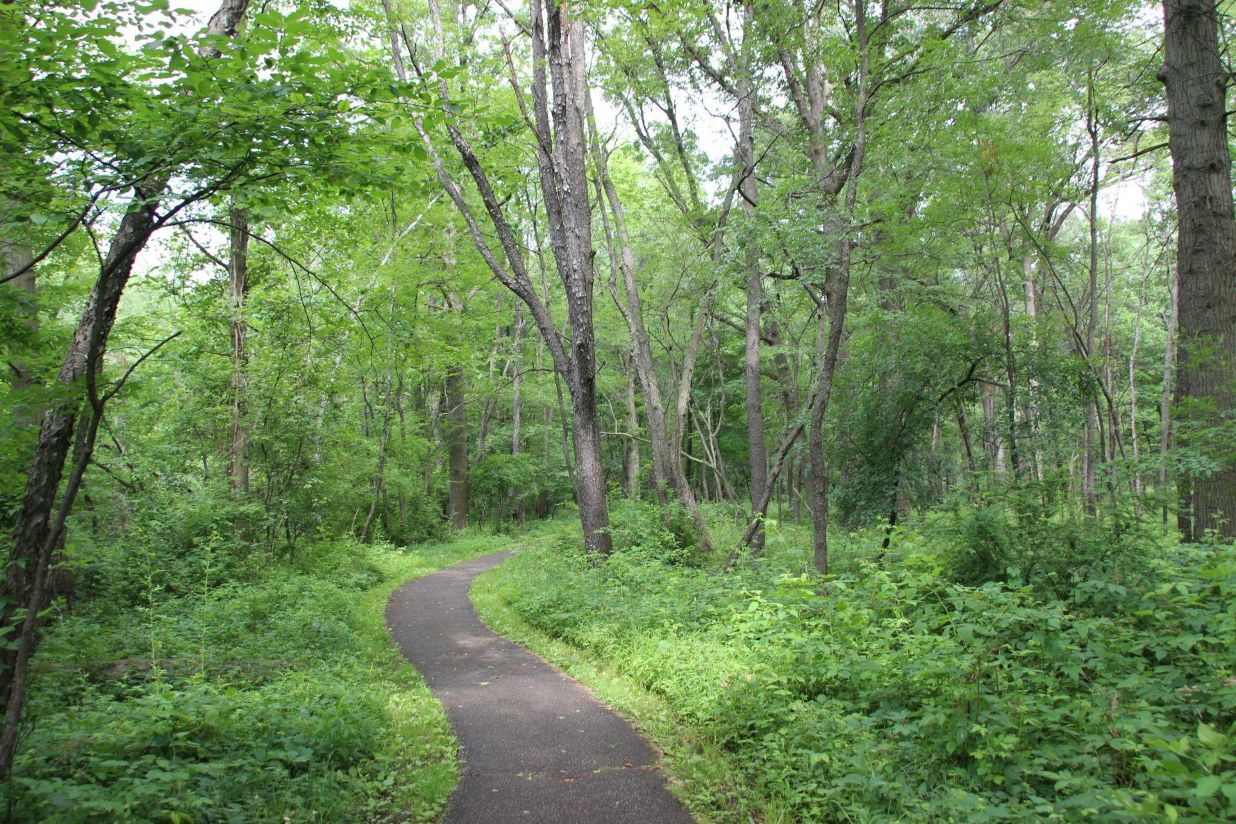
column 652, row 532
column 899, row 695
column 1026, row 537
column 275, row 698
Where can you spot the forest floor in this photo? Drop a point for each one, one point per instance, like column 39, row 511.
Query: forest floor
column 536, row 745
column 246, row 691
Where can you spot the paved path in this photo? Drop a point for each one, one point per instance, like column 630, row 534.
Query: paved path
column 537, row 747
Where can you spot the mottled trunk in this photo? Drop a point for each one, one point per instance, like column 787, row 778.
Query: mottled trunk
column 457, row 447
column 1169, row 375
column 664, row 459
column 517, row 380
column 1032, row 394
column 379, row 475
column 557, row 46
column 558, row 39
column 1196, row 80
column 1090, row 435
column 238, row 287
column 1133, row 433
column 630, row 456
column 756, row 451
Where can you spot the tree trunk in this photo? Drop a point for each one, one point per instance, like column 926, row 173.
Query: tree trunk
column 1196, row 81
column 1133, row 433
column 758, row 457
column 630, row 456
column 557, row 43
column 1090, row 435
column 836, row 289
column 663, row 457
column 517, row 380
column 457, row 447
column 1165, row 401
column 379, row 475
column 238, row 287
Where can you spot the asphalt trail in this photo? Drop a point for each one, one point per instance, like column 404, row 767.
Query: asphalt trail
column 537, row 747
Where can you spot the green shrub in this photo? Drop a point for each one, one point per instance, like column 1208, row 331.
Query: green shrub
column 646, row 530
column 899, row 695
column 274, row 698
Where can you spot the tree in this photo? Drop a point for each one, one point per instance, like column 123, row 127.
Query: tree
column 39, row 528
column 558, row 43
column 1196, row 81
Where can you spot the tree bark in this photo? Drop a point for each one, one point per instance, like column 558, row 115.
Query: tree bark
column 664, row 459
column 1169, row 374
column 238, row 288
column 557, row 43
column 1090, row 433
column 630, row 456
column 1195, row 78
column 753, row 401
column 517, row 379
column 457, row 447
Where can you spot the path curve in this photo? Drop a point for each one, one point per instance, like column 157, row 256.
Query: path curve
column 537, row 747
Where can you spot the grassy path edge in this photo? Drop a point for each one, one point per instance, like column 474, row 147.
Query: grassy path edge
column 422, row 751
column 699, row 773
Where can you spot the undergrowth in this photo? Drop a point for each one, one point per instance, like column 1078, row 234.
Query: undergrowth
column 895, row 693
column 270, row 696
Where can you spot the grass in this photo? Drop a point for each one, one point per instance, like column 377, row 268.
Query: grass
column 700, row 774
column 274, row 698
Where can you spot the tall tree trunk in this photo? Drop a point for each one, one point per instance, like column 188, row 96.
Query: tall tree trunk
column 557, row 44
column 1032, row 393
column 457, row 447
column 630, row 457
column 238, row 288
column 379, row 475
column 663, row 458
column 1169, row 375
column 1090, row 435
column 517, row 381
column 1196, row 81
column 1133, row 434
column 758, row 456
column 836, row 289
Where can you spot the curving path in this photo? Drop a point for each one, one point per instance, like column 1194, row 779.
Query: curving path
column 537, row 747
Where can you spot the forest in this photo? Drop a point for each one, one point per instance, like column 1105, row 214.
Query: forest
column 854, row 379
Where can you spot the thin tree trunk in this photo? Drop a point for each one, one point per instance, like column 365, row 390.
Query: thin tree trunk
column 238, row 287
column 836, row 288
column 630, row 459
column 1133, row 436
column 758, row 457
column 379, row 475
column 663, row 458
column 1090, row 435
column 557, row 44
column 1169, row 374
column 457, row 447
column 1032, row 394
column 517, row 380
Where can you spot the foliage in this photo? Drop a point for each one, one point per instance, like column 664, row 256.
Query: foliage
column 272, row 695
column 894, row 694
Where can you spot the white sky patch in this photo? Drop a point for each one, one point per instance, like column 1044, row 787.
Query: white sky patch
column 1125, row 200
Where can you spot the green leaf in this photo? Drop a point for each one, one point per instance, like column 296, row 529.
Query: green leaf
column 1207, row 786
column 1209, row 736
